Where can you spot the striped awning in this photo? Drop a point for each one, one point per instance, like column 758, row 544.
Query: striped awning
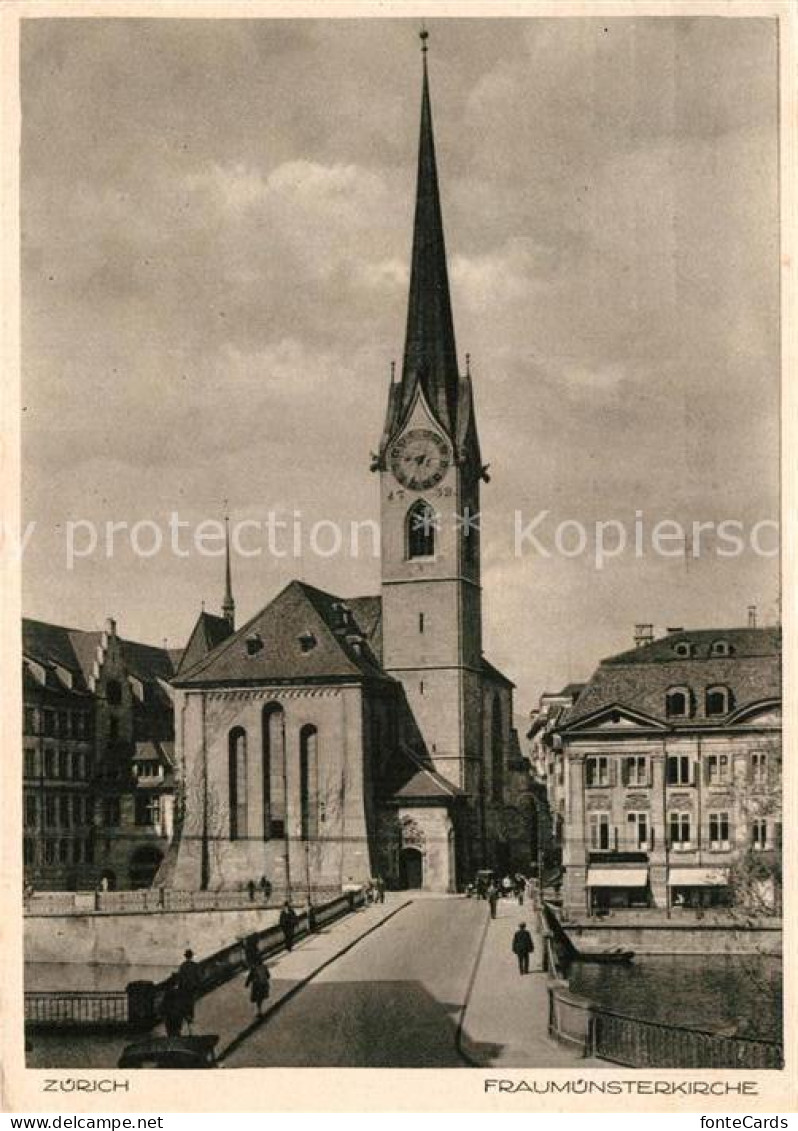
column 617, row 877
column 698, row 877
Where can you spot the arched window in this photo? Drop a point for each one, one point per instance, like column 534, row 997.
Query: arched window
column 309, row 782
column 677, row 703
column 718, row 701
column 237, row 761
column 497, row 751
column 274, row 784
column 720, row 648
column 421, row 524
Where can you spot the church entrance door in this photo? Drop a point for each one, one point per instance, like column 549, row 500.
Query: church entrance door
column 411, row 865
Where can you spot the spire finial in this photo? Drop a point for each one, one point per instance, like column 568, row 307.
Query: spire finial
column 393, row 371
column 468, row 365
column 228, row 604
column 423, row 35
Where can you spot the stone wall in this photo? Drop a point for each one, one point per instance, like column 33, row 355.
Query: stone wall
column 679, row 938
column 145, row 939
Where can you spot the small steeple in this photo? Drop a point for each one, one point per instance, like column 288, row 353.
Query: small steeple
column 228, row 604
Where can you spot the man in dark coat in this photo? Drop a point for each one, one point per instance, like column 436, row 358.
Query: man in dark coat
column 288, row 924
column 190, row 981
column 493, row 899
column 522, row 948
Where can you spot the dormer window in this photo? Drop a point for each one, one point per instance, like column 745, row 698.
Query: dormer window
column 683, row 649
column 307, row 641
column 718, row 701
column 677, row 703
column 254, row 644
column 720, row 648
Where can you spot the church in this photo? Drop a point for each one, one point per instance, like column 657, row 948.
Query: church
column 332, row 739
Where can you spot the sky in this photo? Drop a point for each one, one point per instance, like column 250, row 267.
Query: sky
column 216, row 226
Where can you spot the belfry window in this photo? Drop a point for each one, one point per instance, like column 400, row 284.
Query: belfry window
column 421, row 525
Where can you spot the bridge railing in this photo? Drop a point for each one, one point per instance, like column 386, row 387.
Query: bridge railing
column 166, row 899
column 640, row 1043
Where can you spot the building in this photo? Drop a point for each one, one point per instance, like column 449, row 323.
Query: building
column 331, row 738
column 98, row 773
column 548, row 770
column 670, row 760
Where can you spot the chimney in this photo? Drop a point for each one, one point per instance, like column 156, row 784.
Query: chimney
column 110, row 626
column 644, row 634
column 752, row 616
column 671, row 631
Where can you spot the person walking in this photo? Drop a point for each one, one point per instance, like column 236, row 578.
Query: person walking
column 380, row 886
column 288, row 924
column 259, row 979
column 190, row 981
column 493, row 899
column 522, row 948
column 265, row 888
column 251, row 891
column 173, row 1007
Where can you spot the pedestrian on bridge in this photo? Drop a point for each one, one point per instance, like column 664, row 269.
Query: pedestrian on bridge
column 522, row 947
column 190, row 982
column 493, row 899
column 288, row 924
column 259, row 979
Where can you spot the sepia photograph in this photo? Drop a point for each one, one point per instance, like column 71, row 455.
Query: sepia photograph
column 400, row 648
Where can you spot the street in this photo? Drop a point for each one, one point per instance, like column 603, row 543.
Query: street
column 394, row 1000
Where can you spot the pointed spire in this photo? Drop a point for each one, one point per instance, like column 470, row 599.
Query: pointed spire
column 430, row 357
column 228, row 604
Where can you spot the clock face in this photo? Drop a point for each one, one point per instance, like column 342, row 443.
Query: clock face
column 420, row 459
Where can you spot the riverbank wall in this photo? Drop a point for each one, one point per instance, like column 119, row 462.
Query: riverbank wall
column 669, row 937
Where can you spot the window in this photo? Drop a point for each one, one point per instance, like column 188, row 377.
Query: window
column 719, row 832
column 76, row 765
column 65, row 812
column 63, row 852
column 421, row 623
column 638, row 829
column 717, row 769
column 49, row 723
column 307, row 641
column 77, row 811
column 88, row 810
column 254, row 644
column 30, row 720
column 718, row 701
column 677, row 703
column 597, row 770
column 63, row 764
column 635, row 770
column 29, row 768
column 113, row 692
column 420, row 527
column 759, row 834
column 679, row 770
column 31, row 811
column 113, row 729
column 49, row 812
column 63, row 724
column 759, row 767
column 309, row 782
column 720, row 648
column 599, row 828
column 237, row 763
column 679, row 826
column 28, row 851
column 274, row 783
column 111, row 812
column 148, row 810
column 50, row 767
column 683, row 649
column 49, row 852
column 77, row 851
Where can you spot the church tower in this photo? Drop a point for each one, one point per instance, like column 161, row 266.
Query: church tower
column 430, row 470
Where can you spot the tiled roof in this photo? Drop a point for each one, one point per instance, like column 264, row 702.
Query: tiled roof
column 640, row 678
column 279, row 633
column 424, row 783
column 76, row 650
column 367, row 611
column 207, row 634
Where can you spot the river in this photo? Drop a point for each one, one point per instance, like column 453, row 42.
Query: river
column 712, row 992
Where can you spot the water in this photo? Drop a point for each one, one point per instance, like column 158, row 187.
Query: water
column 718, row 993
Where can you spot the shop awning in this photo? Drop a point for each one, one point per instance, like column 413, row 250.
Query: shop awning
column 698, row 877
column 617, row 877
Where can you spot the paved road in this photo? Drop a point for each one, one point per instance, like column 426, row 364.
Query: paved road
column 393, row 1001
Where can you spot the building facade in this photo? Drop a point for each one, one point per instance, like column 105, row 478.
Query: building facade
column 98, row 780
column 670, row 763
column 331, row 739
